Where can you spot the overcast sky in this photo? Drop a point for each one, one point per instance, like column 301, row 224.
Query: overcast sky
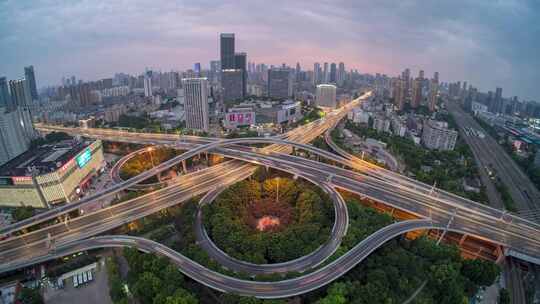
column 489, row 43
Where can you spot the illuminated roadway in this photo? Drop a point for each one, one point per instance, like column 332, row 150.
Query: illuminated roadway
column 469, row 218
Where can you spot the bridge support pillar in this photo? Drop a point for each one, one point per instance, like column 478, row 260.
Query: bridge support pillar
column 184, row 167
column 500, row 254
column 295, row 177
column 462, row 239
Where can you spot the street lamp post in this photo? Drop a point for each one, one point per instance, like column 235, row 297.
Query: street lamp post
column 277, row 189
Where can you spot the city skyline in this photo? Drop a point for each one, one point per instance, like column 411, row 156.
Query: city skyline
column 91, row 40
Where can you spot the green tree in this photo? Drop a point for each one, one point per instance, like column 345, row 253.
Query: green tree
column 30, row 296
column 480, row 272
column 22, row 213
column 147, row 287
column 504, row 296
column 337, row 294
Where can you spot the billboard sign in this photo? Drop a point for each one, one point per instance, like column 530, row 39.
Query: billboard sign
column 84, row 158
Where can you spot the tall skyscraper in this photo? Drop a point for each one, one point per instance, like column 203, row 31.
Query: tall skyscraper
column 197, row 68
column 326, row 96
column 416, row 98
column 341, row 74
column 20, row 92
column 399, row 93
column 30, row 76
column 215, row 69
column 279, row 83
column 316, row 73
column 227, row 51
column 433, row 93
column 240, row 63
column 333, row 72
column 14, row 138
column 498, row 101
column 326, row 73
column 196, row 103
column 5, row 98
column 436, row 76
column 148, row 84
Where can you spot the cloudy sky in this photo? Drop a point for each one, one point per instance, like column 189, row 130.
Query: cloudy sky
column 489, row 43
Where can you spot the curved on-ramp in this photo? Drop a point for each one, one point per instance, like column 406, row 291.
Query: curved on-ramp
column 268, row 290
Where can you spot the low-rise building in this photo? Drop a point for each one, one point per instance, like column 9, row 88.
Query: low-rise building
column 51, row 174
column 239, row 117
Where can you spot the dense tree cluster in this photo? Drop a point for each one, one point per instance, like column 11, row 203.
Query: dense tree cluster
column 228, row 220
column 443, row 168
column 395, row 271
column 154, row 280
column 145, row 161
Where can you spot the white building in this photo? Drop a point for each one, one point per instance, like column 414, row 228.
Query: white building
column 148, row 84
column 398, row 127
column 326, row 96
column 358, row 115
column 436, row 135
column 16, row 132
column 381, row 124
column 196, row 103
column 477, row 107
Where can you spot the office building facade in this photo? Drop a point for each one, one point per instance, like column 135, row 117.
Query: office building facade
column 326, row 96
column 226, row 43
column 196, row 103
column 30, row 76
column 279, row 83
column 231, row 84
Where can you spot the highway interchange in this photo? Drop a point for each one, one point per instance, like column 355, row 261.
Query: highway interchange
column 437, row 207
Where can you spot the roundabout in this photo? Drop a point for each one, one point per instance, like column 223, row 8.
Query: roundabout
column 266, row 240
column 270, row 221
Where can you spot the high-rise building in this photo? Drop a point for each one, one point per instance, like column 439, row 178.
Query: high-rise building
column 399, row 93
column 231, row 84
column 20, row 92
column 326, row 96
column 227, row 51
column 215, row 68
column 279, row 83
column 196, row 103
column 30, row 76
column 498, row 101
column 326, row 73
column 14, row 136
column 5, row 98
column 416, row 98
column 436, row 76
column 240, row 63
column 333, row 72
column 341, row 74
column 148, row 84
column 433, row 93
column 421, row 74
column 437, row 136
column 197, row 69
column 316, row 73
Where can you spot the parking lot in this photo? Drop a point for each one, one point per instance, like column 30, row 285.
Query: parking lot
column 96, row 291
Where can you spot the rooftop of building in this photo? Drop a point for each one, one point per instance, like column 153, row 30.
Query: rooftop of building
column 45, row 159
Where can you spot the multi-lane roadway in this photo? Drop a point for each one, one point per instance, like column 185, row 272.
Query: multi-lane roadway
column 373, row 182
